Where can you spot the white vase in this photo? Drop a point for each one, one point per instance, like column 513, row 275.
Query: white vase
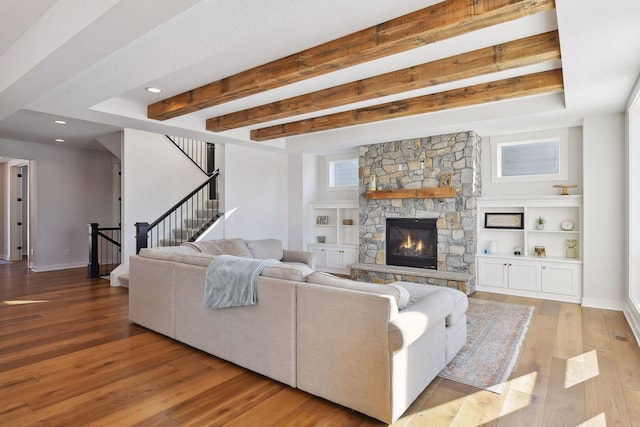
column 493, row 247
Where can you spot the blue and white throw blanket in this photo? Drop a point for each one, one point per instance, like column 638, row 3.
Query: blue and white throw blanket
column 231, row 281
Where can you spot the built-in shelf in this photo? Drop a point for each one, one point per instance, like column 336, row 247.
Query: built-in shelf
column 421, row 193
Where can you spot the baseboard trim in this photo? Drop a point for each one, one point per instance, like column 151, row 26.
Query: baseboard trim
column 603, row 303
column 633, row 318
column 53, row 267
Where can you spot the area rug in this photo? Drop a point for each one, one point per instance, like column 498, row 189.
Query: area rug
column 495, row 332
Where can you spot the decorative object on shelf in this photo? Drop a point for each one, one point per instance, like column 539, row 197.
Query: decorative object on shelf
column 539, row 251
column 567, row 225
column 540, row 223
column 445, row 179
column 517, row 250
column 322, row 239
column 572, row 250
column 347, row 222
column 493, row 247
column 504, row 220
column 322, row 220
column 372, row 183
column 564, row 188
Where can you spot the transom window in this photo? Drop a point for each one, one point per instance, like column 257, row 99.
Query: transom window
column 342, row 171
column 543, row 159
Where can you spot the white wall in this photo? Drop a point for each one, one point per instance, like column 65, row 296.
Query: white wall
column 632, row 290
column 70, row 188
column 322, row 192
column 256, row 193
column 3, row 196
column 604, row 231
column 295, row 200
column 155, row 176
column 542, row 188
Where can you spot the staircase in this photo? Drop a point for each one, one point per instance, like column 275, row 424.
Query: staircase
column 194, row 226
column 195, row 213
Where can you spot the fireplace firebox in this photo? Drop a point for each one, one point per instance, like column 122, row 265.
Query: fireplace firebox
column 412, row 242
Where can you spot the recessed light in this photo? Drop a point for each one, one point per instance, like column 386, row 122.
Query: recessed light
column 60, row 122
column 59, row 140
column 153, row 89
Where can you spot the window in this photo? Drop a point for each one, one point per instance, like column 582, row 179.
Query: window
column 543, row 159
column 342, row 171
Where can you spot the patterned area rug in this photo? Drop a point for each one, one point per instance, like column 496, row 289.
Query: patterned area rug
column 495, row 332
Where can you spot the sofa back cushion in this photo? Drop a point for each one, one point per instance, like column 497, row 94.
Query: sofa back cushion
column 265, row 248
column 288, row 271
column 193, row 258
column 235, row 247
column 399, row 294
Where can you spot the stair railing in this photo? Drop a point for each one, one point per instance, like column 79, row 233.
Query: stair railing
column 185, row 221
column 201, row 153
column 104, row 250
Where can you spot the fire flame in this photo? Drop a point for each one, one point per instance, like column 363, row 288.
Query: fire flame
column 408, row 244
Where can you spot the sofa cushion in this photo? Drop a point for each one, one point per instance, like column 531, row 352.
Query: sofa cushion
column 265, row 248
column 320, row 278
column 235, row 247
column 288, row 271
column 193, row 258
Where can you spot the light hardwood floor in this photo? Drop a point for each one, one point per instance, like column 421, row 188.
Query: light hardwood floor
column 69, row 356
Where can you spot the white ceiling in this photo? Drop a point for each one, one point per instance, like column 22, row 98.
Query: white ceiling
column 89, row 62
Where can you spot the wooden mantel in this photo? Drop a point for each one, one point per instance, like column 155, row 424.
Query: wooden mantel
column 421, row 193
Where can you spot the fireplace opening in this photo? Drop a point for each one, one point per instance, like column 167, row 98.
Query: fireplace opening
column 412, row 242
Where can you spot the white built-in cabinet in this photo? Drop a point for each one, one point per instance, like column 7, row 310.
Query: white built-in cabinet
column 554, row 276
column 338, row 223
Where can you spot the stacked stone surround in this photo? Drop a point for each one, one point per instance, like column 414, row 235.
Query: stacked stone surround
column 414, row 164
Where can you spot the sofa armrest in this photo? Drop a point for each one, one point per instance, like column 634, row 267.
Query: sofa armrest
column 304, row 257
column 412, row 322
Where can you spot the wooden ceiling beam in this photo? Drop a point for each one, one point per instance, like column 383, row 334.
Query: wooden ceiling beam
column 531, row 84
column 519, row 53
column 438, row 22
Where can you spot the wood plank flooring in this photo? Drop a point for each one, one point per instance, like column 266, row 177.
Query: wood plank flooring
column 69, row 356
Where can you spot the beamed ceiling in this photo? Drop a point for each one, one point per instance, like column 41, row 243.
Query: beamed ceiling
column 433, row 24
column 310, row 76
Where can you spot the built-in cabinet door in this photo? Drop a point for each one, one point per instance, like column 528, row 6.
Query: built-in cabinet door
column 349, row 256
column 558, row 278
column 493, row 272
column 320, row 253
column 524, row 275
column 333, row 258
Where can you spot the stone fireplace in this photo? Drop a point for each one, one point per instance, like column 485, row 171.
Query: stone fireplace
column 420, row 164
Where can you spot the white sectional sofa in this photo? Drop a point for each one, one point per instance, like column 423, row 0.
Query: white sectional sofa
column 349, row 342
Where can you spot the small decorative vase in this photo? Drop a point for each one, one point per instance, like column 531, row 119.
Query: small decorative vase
column 539, row 226
column 372, row 183
column 493, row 247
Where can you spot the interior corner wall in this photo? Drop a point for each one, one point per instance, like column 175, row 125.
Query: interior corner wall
column 295, row 201
column 604, row 212
column 632, row 290
column 155, row 176
column 310, row 182
column 70, row 188
column 3, row 195
column 256, row 193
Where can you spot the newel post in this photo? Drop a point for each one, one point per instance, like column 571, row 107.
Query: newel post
column 142, row 229
column 93, row 268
